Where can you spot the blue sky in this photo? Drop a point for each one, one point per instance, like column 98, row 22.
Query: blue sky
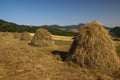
column 61, row 12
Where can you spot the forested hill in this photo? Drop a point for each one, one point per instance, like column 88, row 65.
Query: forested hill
column 69, row 30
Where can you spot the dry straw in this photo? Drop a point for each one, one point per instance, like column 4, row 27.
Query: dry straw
column 16, row 35
column 25, row 36
column 93, row 48
column 4, row 34
column 42, row 38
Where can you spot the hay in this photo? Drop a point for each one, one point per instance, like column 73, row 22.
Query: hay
column 93, row 48
column 4, row 34
column 16, row 35
column 42, row 38
column 25, row 36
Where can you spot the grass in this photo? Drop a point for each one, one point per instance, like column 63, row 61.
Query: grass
column 117, row 45
column 56, row 37
column 118, row 50
column 20, row 61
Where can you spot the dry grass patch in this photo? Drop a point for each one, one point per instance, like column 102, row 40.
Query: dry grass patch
column 62, row 38
column 117, row 45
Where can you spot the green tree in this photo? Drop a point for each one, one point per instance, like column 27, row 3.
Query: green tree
column 7, row 27
column 115, row 31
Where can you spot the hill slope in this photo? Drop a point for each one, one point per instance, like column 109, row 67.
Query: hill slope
column 69, row 30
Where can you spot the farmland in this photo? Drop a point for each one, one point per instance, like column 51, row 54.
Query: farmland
column 20, row 61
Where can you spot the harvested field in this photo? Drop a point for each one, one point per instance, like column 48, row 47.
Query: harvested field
column 62, row 38
column 20, row 61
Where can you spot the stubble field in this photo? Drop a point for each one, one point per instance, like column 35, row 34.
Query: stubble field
column 21, row 61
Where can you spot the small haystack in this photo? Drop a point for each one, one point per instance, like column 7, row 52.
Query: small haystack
column 93, row 48
column 25, row 36
column 42, row 38
column 16, row 35
column 4, row 34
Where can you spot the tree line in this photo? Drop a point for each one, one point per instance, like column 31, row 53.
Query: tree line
column 54, row 29
column 12, row 27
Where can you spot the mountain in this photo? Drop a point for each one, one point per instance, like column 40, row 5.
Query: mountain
column 69, row 30
column 54, row 29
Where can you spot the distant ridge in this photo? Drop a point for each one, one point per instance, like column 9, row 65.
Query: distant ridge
column 69, row 30
column 68, row 27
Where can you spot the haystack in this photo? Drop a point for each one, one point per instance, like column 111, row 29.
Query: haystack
column 25, row 36
column 93, row 48
column 6, row 34
column 42, row 38
column 16, row 35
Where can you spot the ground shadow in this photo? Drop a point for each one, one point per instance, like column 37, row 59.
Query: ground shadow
column 62, row 54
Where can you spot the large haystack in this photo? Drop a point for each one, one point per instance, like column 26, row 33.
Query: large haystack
column 93, row 48
column 25, row 36
column 42, row 38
